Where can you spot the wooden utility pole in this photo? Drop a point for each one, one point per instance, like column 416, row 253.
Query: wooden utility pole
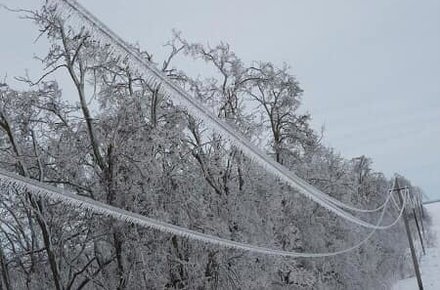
column 408, row 233
column 418, row 230
column 415, row 208
column 421, row 214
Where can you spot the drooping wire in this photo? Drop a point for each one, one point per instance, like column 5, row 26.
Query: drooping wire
column 77, row 15
column 346, row 206
column 80, row 202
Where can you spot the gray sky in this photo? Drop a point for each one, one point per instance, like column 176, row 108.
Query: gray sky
column 370, row 69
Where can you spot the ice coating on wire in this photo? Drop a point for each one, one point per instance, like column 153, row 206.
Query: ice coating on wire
column 154, row 77
column 80, row 202
column 76, row 15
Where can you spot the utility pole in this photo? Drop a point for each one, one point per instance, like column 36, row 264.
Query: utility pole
column 418, row 230
column 421, row 213
column 408, row 233
column 415, row 208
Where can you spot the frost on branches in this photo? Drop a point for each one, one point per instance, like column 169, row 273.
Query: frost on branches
column 117, row 140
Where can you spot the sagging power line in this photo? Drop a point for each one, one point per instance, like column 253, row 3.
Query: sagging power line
column 77, row 16
column 45, row 191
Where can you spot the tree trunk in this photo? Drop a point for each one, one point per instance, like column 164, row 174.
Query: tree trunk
column 5, row 272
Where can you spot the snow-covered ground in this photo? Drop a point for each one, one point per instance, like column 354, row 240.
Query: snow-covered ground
column 430, row 263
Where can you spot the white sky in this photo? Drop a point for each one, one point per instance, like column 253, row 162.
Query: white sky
column 370, row 69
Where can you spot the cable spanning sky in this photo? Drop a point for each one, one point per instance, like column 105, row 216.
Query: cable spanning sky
column 370, row 69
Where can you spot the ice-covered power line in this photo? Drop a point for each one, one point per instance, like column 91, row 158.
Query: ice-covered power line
column 77, row 16
column 45, row 191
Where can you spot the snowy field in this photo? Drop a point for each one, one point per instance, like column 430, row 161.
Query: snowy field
column 430, row 264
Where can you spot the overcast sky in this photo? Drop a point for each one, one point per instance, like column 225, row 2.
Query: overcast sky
column 370, row 69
